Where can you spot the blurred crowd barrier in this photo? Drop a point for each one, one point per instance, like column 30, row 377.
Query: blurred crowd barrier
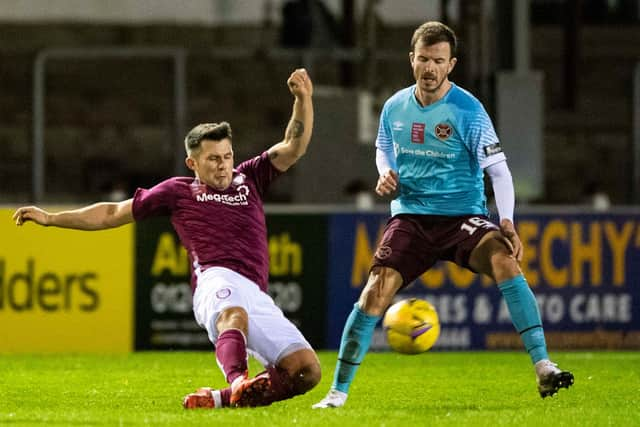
column 110, row 122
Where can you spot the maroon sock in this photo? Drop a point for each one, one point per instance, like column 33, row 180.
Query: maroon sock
column 231, row 353
column 225, row 394
column 282, row 386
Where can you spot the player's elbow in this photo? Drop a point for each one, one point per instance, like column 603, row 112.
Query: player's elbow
column 297, row 147
column 284, row 159
column 117, row 214
column 109, row 223
column 299, row 153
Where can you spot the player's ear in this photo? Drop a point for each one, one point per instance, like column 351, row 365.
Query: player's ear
column 411, row 57
column 191, row 164
column 452, row 63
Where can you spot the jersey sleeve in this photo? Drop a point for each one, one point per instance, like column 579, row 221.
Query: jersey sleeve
column 156, row 201
column 385, row 156
column 482, row 138
column 261, row 171
column 384, row 141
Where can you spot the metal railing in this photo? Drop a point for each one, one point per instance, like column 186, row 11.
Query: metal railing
column 176, row 55
column 635, row 185
column 303, row 57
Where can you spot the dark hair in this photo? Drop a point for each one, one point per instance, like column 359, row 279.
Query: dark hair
column 212, row 131
column 433, row 32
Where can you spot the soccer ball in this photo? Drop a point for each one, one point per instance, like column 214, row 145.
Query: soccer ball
column 411, row 326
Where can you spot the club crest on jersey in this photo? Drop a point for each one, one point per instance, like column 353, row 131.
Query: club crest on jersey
column 238, row 179
column 417, row 133
column 443, row 131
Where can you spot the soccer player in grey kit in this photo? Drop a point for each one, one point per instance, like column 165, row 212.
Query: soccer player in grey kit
column 220, row 220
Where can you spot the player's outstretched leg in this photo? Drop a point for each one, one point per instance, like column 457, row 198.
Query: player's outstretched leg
column 295, row 374
column 551, row 379
column 525, row 315
column 356, row 338
column 243, row 392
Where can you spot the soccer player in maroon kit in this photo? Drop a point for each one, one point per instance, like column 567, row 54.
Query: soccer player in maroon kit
column 220, row 220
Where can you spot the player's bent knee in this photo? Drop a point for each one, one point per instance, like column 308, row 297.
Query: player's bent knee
column 491, row 257
column 307, row 378
column 300, row 371
column 504, row 267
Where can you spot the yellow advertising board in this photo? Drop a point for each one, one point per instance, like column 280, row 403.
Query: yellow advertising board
column 65, row 290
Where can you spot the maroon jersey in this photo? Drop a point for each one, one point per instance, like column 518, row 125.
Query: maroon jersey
column 218, row 228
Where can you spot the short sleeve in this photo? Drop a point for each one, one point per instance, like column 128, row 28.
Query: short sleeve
column 260, row 170
column 482, row 138
column 156, row 201
column 384, row 139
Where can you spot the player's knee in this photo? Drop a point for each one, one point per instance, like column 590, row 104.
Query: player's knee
column 307, row 377
column 382, row 285
column 504, row 267
column 297, row 373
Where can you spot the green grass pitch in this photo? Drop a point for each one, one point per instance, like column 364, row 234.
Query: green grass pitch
column 435, row 388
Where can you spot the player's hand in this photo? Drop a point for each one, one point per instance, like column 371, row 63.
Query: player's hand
column 300, row 84
column 31, row 213
column 509, row 231
column 387, row 183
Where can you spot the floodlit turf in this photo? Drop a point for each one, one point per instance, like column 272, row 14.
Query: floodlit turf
column 436, row 388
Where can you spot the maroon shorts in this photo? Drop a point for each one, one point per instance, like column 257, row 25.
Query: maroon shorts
column 411, row 244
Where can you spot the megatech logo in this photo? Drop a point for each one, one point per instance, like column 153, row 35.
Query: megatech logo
column 50, row 291
column 241, row 198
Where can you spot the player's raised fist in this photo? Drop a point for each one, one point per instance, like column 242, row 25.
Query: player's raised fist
column 300, row 83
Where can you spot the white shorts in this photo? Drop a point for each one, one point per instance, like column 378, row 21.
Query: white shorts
column 271, row 335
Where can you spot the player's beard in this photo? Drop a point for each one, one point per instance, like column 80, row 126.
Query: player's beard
column 431, row 86
column 431, row 92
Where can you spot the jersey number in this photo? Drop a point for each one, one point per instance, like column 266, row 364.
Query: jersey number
column 473, row 223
